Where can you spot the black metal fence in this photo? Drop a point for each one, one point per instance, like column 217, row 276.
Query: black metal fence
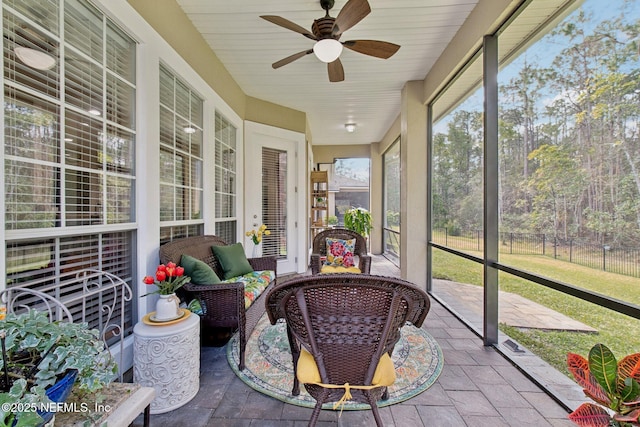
column 609, row 258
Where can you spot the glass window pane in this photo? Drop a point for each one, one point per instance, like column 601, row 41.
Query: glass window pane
column 44, row 12
column 40, row 76
column 167, row 88
column 83, row 145
column 31, row 195
column 166, row 127
column 227, row 231
column 83, row 28
column 120, row 150
column 83, row 84
column 181, row 203
column 166, row 203
column 119, row 200
column 31, row 127
column 181, row 143
column 121, row 58
column 196, row 204
column 83, row 198
column 120, row 102
column 166, row 165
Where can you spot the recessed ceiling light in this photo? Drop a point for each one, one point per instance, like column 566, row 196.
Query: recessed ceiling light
column 350, row 127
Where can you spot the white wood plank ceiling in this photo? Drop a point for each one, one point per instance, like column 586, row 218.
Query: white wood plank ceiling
column 370, row 94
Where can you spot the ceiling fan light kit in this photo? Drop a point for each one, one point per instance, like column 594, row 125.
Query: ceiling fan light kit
column 326, row 31
column 327, row 50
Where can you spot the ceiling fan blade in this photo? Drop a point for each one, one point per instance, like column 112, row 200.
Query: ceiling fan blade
column 350, row 14
column 375, row 48
column 336, row 72
column 290, row 59
column 278, row 20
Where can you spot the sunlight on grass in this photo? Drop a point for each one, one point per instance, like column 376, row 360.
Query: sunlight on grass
column 619, row 332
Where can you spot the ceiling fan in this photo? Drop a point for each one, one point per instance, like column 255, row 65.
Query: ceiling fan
column 326, row 32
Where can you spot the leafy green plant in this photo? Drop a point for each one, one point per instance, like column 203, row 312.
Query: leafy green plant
column 37, row 352
column 332, row 220
column 358, row 220
column 613, row 385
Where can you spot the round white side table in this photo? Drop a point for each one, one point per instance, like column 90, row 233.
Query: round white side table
column 167, row 358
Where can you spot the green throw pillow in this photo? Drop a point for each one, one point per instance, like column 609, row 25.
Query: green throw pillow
column 232, row 260
column 199, row 271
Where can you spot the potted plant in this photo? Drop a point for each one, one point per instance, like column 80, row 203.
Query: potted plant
column 613, row 385
column 168, row 279
column 36, row 355
column 358, row 220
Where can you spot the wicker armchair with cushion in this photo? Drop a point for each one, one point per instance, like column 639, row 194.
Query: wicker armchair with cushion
column 342, row 329
column 227, row 288
column 351, row 247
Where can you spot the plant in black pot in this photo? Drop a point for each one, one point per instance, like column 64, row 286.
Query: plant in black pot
column 42, row 360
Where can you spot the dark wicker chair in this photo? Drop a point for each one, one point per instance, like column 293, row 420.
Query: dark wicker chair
column 224, row 301
column 319, row 248
column 346, row 321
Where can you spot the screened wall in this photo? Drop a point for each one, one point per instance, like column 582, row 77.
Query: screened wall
column 391, row 203
column 534, row 159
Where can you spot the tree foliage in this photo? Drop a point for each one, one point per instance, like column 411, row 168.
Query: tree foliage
column 569, row 136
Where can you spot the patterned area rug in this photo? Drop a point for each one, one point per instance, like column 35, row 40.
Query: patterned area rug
column 417, row 357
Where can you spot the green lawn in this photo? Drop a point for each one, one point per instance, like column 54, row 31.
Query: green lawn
column 618, row 332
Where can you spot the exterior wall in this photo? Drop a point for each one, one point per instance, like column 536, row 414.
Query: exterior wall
column 328, row 153
column 267, row 113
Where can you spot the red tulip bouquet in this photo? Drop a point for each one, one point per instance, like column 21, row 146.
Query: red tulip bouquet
column 169, row 278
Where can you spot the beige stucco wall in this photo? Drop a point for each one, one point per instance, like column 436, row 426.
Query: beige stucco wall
column 328, row 153
column 413, row 181
column 271, row 114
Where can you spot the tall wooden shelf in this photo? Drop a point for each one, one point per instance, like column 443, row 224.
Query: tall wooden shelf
column 319, row 201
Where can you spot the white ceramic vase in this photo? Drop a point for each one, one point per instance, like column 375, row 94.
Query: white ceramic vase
column 167, row 307
column 256, row 251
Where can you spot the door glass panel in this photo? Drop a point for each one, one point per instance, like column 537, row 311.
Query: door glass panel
column 274, row 201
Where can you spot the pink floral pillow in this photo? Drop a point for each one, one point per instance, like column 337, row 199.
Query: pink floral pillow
column 340, row 252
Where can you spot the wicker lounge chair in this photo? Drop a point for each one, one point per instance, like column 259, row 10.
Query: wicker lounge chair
column 346, row 322
column 319, row 250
